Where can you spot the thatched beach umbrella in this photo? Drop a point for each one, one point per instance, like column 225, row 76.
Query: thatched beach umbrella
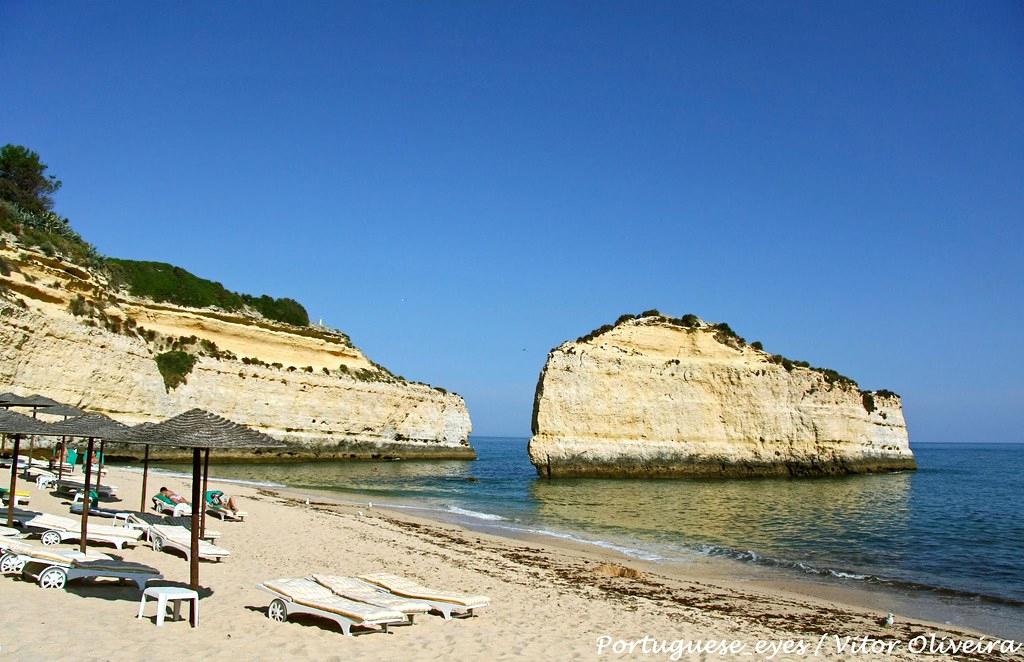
column 17, row 426
column 91, row 427
column 198, row 430
column 37, row 402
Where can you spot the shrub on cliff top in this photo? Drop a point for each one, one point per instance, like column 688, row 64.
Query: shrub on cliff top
column 174, row 367
column 171, row 284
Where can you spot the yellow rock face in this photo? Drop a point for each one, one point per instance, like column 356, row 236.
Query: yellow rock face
column 649, row 398
column 104, row 360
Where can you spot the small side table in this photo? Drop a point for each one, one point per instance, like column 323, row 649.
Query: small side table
column 174, row 594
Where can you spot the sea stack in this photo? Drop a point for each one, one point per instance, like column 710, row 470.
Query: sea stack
column 656, row 396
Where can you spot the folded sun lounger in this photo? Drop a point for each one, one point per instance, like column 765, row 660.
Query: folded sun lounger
column 162, row 536
column 56, row 529
column 450, row 604
column 54, row 569
column 360, row 591
column 304, row 596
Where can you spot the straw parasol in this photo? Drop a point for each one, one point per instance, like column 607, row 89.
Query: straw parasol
column 198, row 430
column 91, row 427
column 17, row 425
column 37, row 402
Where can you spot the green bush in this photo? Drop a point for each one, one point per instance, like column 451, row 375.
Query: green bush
column 175, row 366
column 167, row 283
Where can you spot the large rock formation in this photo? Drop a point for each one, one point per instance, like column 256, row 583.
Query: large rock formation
column 67, row 333
column 655, row 396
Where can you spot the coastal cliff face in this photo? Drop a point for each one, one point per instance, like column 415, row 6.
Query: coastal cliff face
column 655, row 396
column 69, row 334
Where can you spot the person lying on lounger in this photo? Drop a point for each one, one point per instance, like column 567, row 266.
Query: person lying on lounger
column 218, row 498
column 171, row 496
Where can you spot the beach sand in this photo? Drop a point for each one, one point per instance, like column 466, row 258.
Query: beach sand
column 548, row 602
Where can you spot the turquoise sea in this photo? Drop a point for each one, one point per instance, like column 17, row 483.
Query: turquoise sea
column 948, row 538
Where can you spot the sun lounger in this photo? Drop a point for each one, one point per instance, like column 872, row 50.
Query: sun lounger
column 8, row 532
column 142, row 521
column 94, row 511
column 226, row 513
column 162, row 536
column 21, row 497
column 166, row 506
column 20, row 516
column 56, row 529
column 304, row 596
column 215, row 500
column 360, row 591
column 54, row 569
column 450, row 604
column 70, row 486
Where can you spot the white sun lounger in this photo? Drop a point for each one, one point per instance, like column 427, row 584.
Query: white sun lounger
column 304, row 596
column 360, row 591
column 56, row 529
column 142, row 521
column 54, row 569
column 162, row 536
column 450, row 604
column 226, row 513
column 175, row 510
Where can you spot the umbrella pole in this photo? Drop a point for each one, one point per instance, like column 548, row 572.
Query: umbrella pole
column 99, row 465
column 145, row 475
column 206, row 476
column 197, row 475
column 85, row 497
column 11, row 496
column 60, row 458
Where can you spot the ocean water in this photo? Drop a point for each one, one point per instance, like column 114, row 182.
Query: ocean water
column 953, row 529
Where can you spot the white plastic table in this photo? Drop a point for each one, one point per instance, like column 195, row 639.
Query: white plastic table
column 174, row 594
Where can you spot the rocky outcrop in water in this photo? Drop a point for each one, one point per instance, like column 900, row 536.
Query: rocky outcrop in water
column 661, row 397
column 68, row 333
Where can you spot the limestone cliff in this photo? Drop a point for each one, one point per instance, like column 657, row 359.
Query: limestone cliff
column 68, row 333
column 655, row 396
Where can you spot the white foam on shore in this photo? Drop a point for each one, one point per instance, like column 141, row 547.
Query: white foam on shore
column 640, row 554
column 475, row 514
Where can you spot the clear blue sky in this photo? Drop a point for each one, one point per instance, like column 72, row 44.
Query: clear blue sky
column 462, row 186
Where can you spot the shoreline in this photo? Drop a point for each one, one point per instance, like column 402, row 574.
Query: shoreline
column 977, row 612
column 548, row 601
column 924, row 603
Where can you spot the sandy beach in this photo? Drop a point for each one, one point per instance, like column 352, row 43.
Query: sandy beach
column 548, row 602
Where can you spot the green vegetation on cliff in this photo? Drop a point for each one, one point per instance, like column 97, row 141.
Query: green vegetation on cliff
column 174, row 367
column 170, row 284
column 26, row 212
column 725, row 335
